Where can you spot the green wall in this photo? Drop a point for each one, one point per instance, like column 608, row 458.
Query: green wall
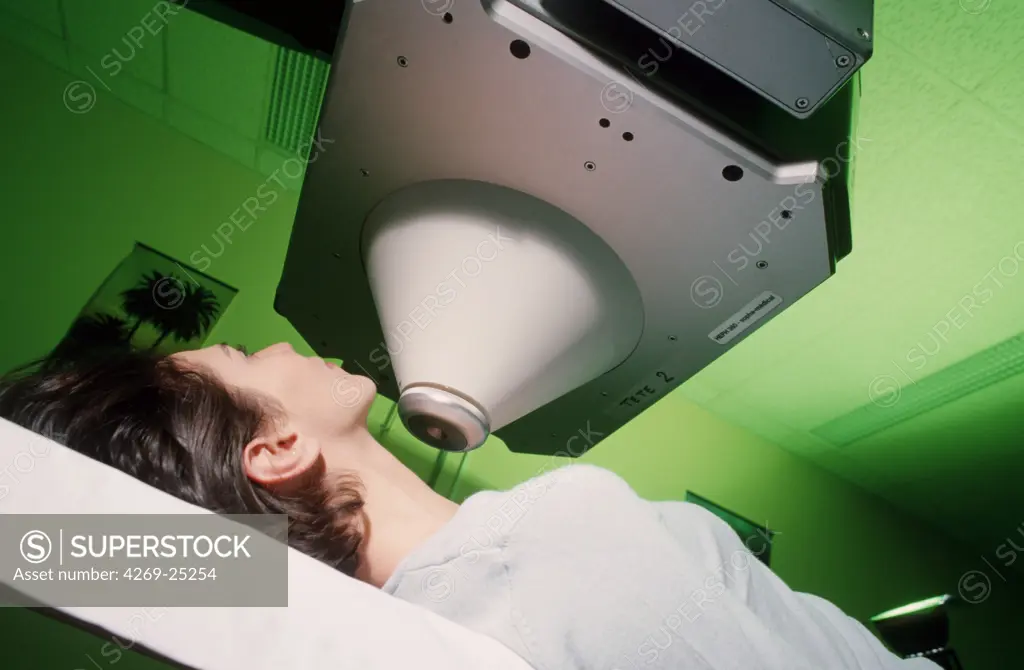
column 79, row 190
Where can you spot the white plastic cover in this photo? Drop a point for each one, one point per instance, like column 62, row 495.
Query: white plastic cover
column 332, row 621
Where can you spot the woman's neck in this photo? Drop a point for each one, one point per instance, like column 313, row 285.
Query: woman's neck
column 401, row 510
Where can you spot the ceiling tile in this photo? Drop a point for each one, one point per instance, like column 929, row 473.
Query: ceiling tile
column 737, row 413
column 824, row 380
column 120, row 36
column 896, row 87
column 807, row 444
column 281, row 167
column 946, row 270
column 210, row 132
column 33, row 39
column 965, row 156
column 785, row 335
column 835, row 378
column 697, row 390
column 980, row 432
column 966, row 40
column 1004, row 92
column 43, row 14
column 221, row 72
column 138, row 94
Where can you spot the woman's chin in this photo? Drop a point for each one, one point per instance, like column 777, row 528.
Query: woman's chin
column 352, row 391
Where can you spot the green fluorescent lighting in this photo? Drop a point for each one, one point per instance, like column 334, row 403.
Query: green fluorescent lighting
column 912, row 607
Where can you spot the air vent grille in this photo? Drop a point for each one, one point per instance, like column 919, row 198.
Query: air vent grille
column 298, row 89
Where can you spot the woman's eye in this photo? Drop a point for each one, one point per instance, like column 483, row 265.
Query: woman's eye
column 240, row 348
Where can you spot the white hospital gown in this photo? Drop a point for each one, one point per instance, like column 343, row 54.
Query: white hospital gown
column 573, row 570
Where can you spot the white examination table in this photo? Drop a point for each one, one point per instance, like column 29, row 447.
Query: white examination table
column 332, row 621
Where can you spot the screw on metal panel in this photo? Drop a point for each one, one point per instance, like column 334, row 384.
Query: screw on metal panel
column 843, row 61
column 802, row 103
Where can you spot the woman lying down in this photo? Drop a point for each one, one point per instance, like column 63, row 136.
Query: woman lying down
column 569, row 570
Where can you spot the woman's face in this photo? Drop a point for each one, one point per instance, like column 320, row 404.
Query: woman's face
column 316, row 395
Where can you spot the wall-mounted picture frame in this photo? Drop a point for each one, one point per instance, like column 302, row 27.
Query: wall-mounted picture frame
column 757, row 538
column 149, row 301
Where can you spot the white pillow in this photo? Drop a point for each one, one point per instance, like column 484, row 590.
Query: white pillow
column 332, row 621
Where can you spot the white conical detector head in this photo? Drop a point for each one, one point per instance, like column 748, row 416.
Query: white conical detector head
column 493, row 303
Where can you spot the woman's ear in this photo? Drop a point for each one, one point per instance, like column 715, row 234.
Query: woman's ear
column 279, row 459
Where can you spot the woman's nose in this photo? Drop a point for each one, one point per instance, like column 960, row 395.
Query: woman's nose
column 279, row 348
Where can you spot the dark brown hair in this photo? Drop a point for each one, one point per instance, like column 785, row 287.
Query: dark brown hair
column 183, row 432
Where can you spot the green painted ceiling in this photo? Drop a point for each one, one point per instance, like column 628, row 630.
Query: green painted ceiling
column 887, row 374
column 936, row 280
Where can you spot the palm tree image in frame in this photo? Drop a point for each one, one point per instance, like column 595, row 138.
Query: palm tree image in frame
column 150, row 301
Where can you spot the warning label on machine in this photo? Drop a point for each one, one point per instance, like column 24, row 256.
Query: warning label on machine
column 747, row 316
